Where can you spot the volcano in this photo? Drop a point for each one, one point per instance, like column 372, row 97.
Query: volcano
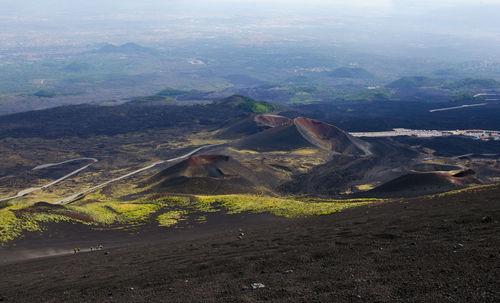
column 304, row 133
column 211, row 174
column 251, row 125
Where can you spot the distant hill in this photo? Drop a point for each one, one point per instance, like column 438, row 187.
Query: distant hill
column 350, row 72
column 127, row 48
column 419, row 82
column 172, row 92
column 471, row 83
column 45, row 93
column 415, row 82
column 152, row 99
column 248, row 104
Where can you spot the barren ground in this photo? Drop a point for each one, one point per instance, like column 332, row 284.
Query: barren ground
column 443, row 249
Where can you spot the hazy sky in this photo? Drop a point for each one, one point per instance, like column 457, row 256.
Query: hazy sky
column 96, row 6
column 422, row 23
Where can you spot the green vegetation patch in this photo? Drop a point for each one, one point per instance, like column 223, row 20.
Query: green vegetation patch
column 249, row 105
column 284, row 207
column 171, row 218
column 186, row 203
column 101, row 213
column 96, row 211
column 258, row 107
column 15, row 220
column 136, row 211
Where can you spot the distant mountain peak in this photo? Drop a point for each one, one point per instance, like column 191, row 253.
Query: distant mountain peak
column 127, row 48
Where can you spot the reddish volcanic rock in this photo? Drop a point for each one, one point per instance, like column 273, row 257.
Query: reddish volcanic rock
column 328, row 137
column 271, row 120
column 251, row 125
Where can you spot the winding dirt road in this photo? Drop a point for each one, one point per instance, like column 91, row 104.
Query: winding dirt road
column 83, row 193
column 24, row 192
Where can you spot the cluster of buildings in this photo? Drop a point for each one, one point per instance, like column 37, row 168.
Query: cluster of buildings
column 401, row 132
column 475, row 133
column 481, row 134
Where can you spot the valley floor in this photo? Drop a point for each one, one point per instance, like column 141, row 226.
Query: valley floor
column 441, row 249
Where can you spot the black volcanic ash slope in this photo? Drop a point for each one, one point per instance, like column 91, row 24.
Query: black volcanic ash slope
column 251, row 125
column 211, row 174
column 303, row 133
column 443, row 249
column 344, row 171
column 418, row 184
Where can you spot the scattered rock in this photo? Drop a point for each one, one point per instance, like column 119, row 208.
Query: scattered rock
column 413, row 244
column 85, row 276
column 459, row 246
column 131, row 289
column 288, row 271
column 254, row 286
column 240, row 238
column 106, row 253
column 486, row 219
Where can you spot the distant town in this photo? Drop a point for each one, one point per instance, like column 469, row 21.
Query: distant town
column 474, row 133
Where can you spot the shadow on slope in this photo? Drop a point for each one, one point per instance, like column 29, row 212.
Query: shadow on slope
column 212, row 174
column 251, row 125
column 304, row 133
column 418, row 184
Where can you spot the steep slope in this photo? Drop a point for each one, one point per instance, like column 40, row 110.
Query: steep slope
column 418, row 184
column 251, row 125
column 211, row 174
column 281, row 138
column 363, row 254
column 329, row 137
column 344, row 172
column 302, row 133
